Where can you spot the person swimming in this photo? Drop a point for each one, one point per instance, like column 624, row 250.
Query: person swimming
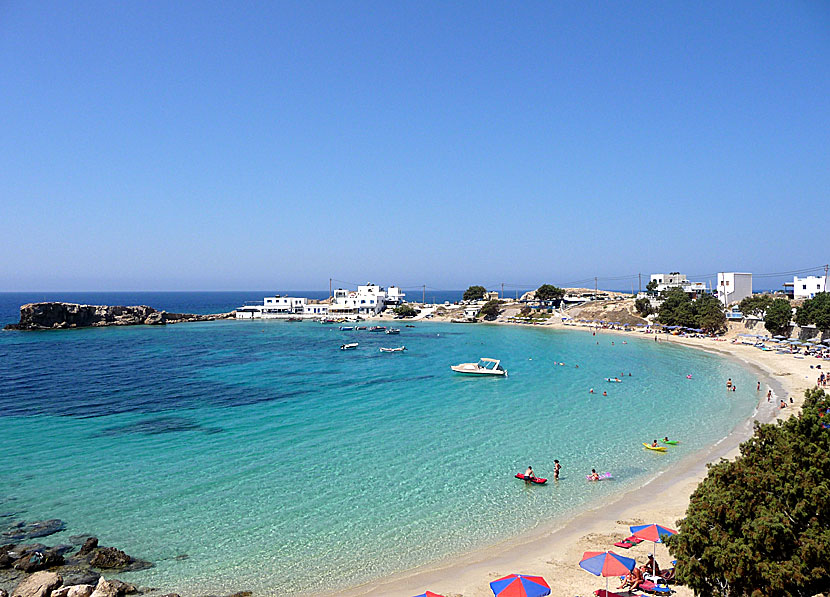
column 594, row 475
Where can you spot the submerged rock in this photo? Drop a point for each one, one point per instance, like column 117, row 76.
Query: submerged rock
column 90, row 544
column 74, row 591
column 39, row 559
column 23, row 530
column 109, row 557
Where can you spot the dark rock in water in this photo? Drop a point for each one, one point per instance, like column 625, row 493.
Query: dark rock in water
column 63, row 548
column 80, row 576
column 78, row 539
column 242, row 594
column 123, row 588
column 90, row 544
column 39, row 559
column 181, row 556
column 109, row 557
column 55, row 316
column 22, row 530
column 171, row 595
column 6, row 560
column 154, row 426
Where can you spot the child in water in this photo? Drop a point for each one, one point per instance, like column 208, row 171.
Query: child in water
column 594, row 475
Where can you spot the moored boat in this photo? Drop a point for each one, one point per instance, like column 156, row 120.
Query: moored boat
column 398, row 349
column 349, row 346
column 346, row 328
column 377, row 328
column 484, row 366
column 393, row 331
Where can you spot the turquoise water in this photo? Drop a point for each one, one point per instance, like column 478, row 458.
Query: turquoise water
column 280, row 464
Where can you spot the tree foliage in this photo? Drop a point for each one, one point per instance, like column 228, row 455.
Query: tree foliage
column 759, row 526
column 548, row 292
column 406, row 311
column 777, row 317
column 643, row 307
column 755, row 304
column 651, row 286
column 490, row 310
column 474, row 293
column 704, row 312
column 815, row 311
column 709, row 313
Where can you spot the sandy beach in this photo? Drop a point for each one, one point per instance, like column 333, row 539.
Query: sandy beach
column 553, row 551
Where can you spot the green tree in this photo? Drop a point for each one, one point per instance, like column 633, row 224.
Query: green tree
column 759, row 526
column 651, row 286
column 777, row 317
column 490, row 310
column 548, row 292
column 815, row 311
column 709, row 314
column 676, row 308
column 406, row 311
column 756, row 304
column 643, row 307
column 474, row 293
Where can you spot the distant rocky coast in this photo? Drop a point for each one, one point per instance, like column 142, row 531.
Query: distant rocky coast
column 57, row 316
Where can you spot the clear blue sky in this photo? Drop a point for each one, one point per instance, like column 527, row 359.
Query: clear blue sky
column 212, row 146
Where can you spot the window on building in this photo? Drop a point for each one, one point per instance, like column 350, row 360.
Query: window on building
column 804, row 287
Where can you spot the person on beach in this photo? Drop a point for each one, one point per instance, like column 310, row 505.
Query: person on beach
column 594, row 475
column 758, row 389
column 783, row 404
column 633, row 580
column 769, row 395
column 651, row 566
column 729, row 384
column 529, row 474
column 556, row 467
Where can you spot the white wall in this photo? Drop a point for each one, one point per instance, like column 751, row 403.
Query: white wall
column 804, row 288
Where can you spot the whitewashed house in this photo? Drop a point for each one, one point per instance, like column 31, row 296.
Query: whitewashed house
column 677, row 280
column 734, row 287
column 809, row 287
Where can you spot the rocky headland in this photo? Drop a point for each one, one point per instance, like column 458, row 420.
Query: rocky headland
column 74, row 569
column 58, row 316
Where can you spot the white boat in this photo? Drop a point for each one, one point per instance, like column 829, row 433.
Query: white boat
column 483, row 367
column 393, row 331
column 350, row 346
column 398, row 349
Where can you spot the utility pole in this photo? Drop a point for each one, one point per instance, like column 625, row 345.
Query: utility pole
column 595, row 288
column 639, row 283
column 826, row 267
column 502, row 291
column 329, row 290
column 424, row 298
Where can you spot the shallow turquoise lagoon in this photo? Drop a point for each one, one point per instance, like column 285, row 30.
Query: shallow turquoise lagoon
column 280, row 464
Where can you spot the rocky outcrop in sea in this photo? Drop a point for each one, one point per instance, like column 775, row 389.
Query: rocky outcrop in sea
column 57, row 316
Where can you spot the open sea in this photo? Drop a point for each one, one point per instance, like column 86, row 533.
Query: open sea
column 279, row 464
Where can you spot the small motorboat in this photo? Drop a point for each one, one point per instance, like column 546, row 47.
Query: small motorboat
column 346, row 328
column 398, row 349
column 350, row 346
column 377, row 328
column 393, row 331
column 409, row 325
column 483, row 367
column 360, row 327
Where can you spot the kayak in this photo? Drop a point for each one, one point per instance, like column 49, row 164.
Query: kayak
column 657, row 449
column 601, row 476
column 537, row 480
column 671, row 442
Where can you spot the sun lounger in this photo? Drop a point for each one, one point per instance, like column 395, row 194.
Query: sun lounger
column 604, row 593
column 629, row 542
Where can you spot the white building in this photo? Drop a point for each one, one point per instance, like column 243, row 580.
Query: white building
column 733, row 287
column 366, row 301
column 275, row 307
column 677, row 280
column 806, row 288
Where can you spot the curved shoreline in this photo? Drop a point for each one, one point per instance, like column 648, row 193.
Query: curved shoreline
column 553, row 549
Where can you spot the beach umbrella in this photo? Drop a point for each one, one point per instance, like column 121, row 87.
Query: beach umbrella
column 606, row 563
column 520, row 585
column 429, row 594
column 652, row 532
